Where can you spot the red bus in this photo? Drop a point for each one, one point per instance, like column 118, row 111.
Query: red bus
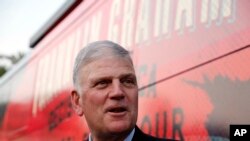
column 192, row 61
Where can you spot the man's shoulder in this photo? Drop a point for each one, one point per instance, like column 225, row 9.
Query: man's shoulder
column 152, row 138
column 140, row 136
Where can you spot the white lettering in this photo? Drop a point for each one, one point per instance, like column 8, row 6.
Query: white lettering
column 43, row 91
column 92, row 29
column 41, row 88
column 226, row 10
column 185, row 14
column 113, row 27
column 217, row 10
column 67, row 62
column 95, row 27
column 59, row 67
column 237, row 132
column 52, row 72
column 78, row 41
column 86, row 32
column 45, row 94
column 38, row 86
column 128, row 22
column 162, row 18
column 243, row 131
column 142, row 27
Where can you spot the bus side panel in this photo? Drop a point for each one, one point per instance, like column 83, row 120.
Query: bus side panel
column 201, row 103
column 191, row 58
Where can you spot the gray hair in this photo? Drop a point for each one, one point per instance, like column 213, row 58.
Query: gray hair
column 94, row 51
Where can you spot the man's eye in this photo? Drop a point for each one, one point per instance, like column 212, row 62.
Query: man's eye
column 102, row 84
column 129, row 82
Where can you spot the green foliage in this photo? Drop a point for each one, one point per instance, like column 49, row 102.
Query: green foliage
column 2, row 70
column 13, row 59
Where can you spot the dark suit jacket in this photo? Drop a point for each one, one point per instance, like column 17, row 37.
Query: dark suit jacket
column 140, row 136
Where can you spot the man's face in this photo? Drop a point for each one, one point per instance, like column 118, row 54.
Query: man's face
column 108, row 95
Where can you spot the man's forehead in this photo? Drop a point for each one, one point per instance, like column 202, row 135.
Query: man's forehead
column 107, row 68
column 106, row 61
column 109, row 72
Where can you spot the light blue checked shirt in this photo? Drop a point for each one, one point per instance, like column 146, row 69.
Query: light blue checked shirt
column 128, row 138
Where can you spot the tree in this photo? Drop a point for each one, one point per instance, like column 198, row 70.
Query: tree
column 13, row 59
column 2, row 70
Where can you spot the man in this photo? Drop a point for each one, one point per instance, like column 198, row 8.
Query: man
column 106, row 93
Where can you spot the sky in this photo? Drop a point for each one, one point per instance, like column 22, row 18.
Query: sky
column 20, row 20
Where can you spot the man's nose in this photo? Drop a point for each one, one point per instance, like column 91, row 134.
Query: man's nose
column 117, row 92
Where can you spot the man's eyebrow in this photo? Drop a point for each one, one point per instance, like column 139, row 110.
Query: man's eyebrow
column 127, row 75
column 94, row 79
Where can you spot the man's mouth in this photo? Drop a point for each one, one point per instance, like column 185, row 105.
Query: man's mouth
column 117, row 109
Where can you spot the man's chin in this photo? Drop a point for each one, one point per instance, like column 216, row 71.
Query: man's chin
column 120, row 127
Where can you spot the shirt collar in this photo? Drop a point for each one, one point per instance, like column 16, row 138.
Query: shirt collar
column 128, row 138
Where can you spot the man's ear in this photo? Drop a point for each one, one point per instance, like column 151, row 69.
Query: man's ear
column 76, row 104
